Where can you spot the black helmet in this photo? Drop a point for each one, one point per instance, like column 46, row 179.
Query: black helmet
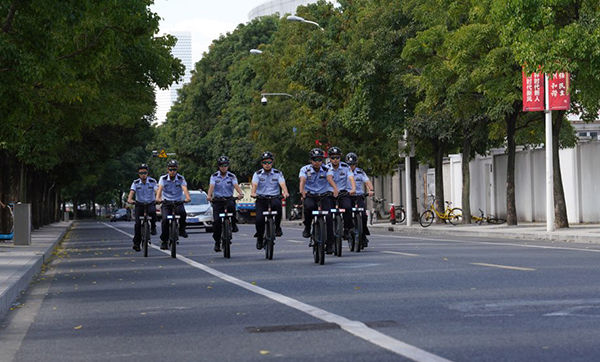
column 351, row 158
column 334, row 151
column 223, row 161
column 143, row 166
column 316, row 153
column 172, row 163
column 266, row 156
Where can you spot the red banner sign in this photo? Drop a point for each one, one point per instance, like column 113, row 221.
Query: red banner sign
column 533, row 92
column 559, row 92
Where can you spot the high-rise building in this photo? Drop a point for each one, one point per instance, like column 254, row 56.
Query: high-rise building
column 165, row 98
column 277, row 6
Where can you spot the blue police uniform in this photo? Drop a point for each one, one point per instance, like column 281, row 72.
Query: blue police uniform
column 316, row 183
column 144, row 192
column 223, row 184
column 172, row 191
column 341, row 177
column 360, row 178
column 268, row 184
column 223, row 187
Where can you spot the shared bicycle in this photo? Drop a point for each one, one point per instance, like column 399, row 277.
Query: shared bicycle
column 490, row 219
column 450, row 215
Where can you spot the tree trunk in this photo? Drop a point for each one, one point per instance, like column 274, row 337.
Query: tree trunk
column 560, row 206
column 413, row 188
column 511, row 204
column 439, row 179
column 466, row 181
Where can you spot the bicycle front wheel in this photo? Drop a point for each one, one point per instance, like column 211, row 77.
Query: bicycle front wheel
column 173, row 238
column 322, row 240
column 495, row 220
column 455, row 216
column 315, row 240
column 269, row 241
column 226, row 238
column 426, row 218
column 145, row 237
column 401, row 215
column 338, row 236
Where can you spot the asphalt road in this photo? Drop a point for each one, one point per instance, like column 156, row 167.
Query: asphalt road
column 403, row 298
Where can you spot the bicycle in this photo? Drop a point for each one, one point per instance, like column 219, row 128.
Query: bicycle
column 173, row 220
column 338, row 225
column 490, row 219
column 380, row 213
column 318, row 236
column 451, row 215
column 145, row 227
column 269, row 234
column 357, row 236
column 226, row 228
column 10, row 234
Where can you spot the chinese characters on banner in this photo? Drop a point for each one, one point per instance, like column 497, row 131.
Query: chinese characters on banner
column 533, row 92
column 559, row 95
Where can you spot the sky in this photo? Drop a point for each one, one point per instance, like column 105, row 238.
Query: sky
column 205, row 19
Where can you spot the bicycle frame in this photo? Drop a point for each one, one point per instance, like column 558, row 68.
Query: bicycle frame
column 226, row 220
column 145, row 225
column 319, row 222
column 358, row 233
column 269, row 233
column 173, row 220
column 338, row 225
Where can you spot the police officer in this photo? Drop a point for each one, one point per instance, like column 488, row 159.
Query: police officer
column 172, row 187
column 316, row 178
column 144, row 188
column 222, row 184
column 361, row 179
column 344, row 179
column 266, row 182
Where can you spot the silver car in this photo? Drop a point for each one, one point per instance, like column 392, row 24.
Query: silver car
column 199, row 211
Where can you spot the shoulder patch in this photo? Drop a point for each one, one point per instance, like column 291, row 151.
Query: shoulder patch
column 343, row 164
column 325, row 168
column 258, row 172
column 163, row 177
column 137, row 181
column 216, row 173
column 276, row 171
column 150, row 179
column 179, row 177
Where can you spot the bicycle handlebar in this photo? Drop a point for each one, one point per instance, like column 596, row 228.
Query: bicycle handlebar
column 319, row 196
column 267, row 197
column 223, row 198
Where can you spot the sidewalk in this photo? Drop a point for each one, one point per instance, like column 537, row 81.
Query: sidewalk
column 581, row 233
column 19, row 264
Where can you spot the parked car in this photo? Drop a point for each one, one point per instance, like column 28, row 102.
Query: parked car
column 199, row 211
column 121, row 215
column 246, row 207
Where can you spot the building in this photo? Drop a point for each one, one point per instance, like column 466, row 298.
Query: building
column 166, row 97
column 277, row 6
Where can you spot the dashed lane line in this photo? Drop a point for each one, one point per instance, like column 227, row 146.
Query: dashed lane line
column 504, row 266
column 398, row 253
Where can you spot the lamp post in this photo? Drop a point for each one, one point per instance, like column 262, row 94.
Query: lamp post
column 255, row 51
column 302, row 20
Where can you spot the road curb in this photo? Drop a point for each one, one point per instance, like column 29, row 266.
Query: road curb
column 19, row 281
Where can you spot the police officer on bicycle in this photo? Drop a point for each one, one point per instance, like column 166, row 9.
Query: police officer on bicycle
column 144, row 188
column 267, row 182
column 316, row 178
column 172, row 187
column 222, row 184
column 344, row 179
column 361, row 179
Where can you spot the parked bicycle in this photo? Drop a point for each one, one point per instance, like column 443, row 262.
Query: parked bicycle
column 357, row 236
column 145, row 225
column 173, row 222
column 226, row 226
column 338, row 225
column 395, row 213
column 490, row 219
column 318, row 236
column 11, row 228
column 451, row 215
column 269, row 234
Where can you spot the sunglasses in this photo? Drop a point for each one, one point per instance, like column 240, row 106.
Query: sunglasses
column 143, row 173
column 224, row 165
column 267, row 162
column 335, row 157
column 172, row 169
column 317, row 159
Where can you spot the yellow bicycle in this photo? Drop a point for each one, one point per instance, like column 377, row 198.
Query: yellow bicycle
column 451, row 215
column 490, row 219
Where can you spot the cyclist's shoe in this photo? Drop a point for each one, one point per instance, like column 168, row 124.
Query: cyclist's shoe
column 346, row 234
column 311, row 244
column 164, row 245
column 306, row 232
column 329, row 248
column 234, row 228
column 366, row 242
column 136, row 247
column 217, row 246
column 259, row 243
column 278, row 231
column 183, row 234
column 256, row 234
column 153, row 230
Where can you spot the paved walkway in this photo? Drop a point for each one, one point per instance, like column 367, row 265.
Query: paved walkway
column 19, row 264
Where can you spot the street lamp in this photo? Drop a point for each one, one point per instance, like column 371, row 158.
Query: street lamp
column 302, row 20
column 255, row 51
column 263, row 100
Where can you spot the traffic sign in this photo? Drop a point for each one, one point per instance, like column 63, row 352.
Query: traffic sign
column 162, row 154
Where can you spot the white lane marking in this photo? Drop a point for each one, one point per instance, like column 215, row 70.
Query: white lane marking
column 356, row 328
column 398, row 253
column 488, row 243
column 297, row 241
column 504, row 266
